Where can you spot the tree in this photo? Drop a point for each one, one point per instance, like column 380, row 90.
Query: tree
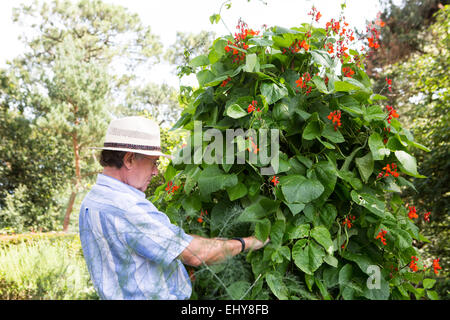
column 70, row 63
column 34, row 166
column 399, row 36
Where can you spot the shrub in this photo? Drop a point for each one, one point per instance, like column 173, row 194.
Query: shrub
column 331, row 207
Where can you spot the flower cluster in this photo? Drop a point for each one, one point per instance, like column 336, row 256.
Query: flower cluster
column 200, row 219
column 275, row 180
column 390, row 169
column 171, row 188
column 336, row 116
column 426, row 216
column 392, row 113
column 413, row 264
column 252, row 106
column 225, row 82
column 346, row 36
column 301, row 82
column 348, row 72
column 239, row 39
column 436, row 266
column 389, row 83
column 412, row 214
column 347, row 221
column 296, row 46
column 316, row 15
column 373, row 31
column 381, row 235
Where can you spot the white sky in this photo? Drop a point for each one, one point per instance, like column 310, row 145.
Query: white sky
column 166, row 17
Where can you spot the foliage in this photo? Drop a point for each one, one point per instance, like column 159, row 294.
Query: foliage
column 68, row 81
column 43, row 269
column 34, row 167
column 421, row 90
column 404, row 21
column 325, row 208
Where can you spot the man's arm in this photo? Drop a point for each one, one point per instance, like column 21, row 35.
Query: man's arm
column 209, row 251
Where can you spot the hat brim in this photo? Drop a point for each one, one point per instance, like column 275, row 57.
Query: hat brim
column 146, row 152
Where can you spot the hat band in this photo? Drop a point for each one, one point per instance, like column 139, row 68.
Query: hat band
column 130, row 146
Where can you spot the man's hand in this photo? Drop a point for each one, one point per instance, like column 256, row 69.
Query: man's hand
column 209, row 251
column 251, row 243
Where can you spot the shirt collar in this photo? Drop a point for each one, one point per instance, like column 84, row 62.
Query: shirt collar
column 118, row 185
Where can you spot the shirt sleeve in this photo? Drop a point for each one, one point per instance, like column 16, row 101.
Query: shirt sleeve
column 151, row 235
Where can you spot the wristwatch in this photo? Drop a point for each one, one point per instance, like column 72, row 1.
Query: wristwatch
column 242, row 242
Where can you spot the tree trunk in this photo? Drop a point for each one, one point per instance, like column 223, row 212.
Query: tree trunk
column 74, row 193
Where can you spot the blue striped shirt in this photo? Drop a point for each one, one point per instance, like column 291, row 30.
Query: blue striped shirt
column 130, row 247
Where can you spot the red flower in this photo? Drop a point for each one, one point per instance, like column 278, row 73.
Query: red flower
column 336, row 116
column 381, row 235
column 275, row 180
column 426, row 216
column 348, row 72
column 200, row 220
column 392, row 113
column 436, row 266
column 347, row 221
column 413, row 264
column 318, row 16
column 252, row 106
column 412, row 213
column 224, row 82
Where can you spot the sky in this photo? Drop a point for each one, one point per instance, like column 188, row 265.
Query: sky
column 166, row 17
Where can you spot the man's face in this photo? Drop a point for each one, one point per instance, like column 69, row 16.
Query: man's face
column 141, row 171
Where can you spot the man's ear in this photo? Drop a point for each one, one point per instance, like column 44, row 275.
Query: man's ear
column 128, row 160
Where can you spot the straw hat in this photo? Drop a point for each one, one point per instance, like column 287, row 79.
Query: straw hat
column 133, row 134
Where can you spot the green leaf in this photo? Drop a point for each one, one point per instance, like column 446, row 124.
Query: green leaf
column 370, row 202
column 213, row 179
column 273, row 92
column 432, row 295
column 428, row 283
column 344, row 86
column 258, row 210
column 262, row 229
column 331, row 134
column 237, row 289
column 323, row 237
column 374, row 113
column 215, row 18
column 238, row 191
column 332, row 261
column 295, row 207
column 408, row 163
column 251, row 63
column 365, row 166
column 322, row 58
column 312, row 130
column 275, row 282
column 297, row 232
column 377, row 147
column 199, row 61
column 204, row 77
column 308, row 259
column 320, row 84
column 298, row 189
column 235, row 111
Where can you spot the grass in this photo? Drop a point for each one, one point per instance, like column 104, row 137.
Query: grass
column 44, row 269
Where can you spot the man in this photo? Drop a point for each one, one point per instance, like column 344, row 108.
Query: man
column 131, row 249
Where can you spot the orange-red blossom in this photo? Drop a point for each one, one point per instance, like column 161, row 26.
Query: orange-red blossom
column 336, row 116
column 381, row 235
column 275, row 180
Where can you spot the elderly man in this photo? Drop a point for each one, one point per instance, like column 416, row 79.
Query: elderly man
column 131, row 249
